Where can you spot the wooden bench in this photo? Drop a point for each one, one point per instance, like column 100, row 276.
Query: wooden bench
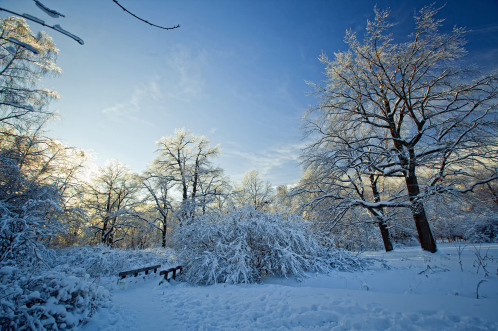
column 172, row 270
column 136, row 271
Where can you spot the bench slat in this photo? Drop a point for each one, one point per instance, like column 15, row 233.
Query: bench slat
column 123, row 274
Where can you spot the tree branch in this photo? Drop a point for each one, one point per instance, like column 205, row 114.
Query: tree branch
column 157, row 26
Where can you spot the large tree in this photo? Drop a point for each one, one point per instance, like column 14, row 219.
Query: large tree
column 425, row 109
column 37, row 173
column 21, row 70
column 110, row 200
column 340, row 178
column 158, row 195
column 254, row 191
column 37, row 179
column 186, row 159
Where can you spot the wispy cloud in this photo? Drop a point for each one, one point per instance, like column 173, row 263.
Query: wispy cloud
column 268, row 160
column 186, row 72
column 129, row 109
column 488, row 31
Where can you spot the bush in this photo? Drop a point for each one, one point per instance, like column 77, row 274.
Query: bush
column 103, row 261
column 484, row 231
column 52, row 300
column 246, row 245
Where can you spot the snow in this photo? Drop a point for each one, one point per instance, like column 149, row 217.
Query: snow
column 33, row 18
column 48, row 11
column 28, row 46
column 399, row 292
column 69, row 34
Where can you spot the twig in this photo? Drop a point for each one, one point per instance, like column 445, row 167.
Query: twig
column 479, row 284
column 157, row 26
column 481, row 260
column 459, row 251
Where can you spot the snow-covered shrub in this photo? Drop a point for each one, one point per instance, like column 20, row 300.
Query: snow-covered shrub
column 357, row 236
column 246, row 245
column 344, row 260
column 28, row 212
column 104, row 261
column 47, row 300
column 484, row 231
column 402, row 231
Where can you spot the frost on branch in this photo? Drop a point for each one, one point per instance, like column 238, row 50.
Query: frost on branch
column 67, row 33
column 42, row 22
column 20, row 43
column 33, row 18
column 246, row 245
column 48, row 11
column 17, row 105
column 11, row 50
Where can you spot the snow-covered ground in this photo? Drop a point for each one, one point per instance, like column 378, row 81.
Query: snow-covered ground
column 410, row 290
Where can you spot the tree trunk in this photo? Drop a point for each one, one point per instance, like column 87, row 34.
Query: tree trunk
column 165, row 228
column 385, row 236
column 426, row 239
column 384, row 231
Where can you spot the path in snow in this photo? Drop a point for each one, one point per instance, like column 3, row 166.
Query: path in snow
column 317, row 304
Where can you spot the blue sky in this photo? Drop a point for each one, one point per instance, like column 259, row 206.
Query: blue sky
column 234, row 72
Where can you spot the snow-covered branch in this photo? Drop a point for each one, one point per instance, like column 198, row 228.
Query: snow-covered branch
column 56, row 27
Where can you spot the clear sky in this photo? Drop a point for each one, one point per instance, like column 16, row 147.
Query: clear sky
column 235, row 71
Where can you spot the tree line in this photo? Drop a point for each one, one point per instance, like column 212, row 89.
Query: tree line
column 403, row 138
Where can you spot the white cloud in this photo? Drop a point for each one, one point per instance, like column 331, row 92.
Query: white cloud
column 270, row 160
column 129, row 110
column 185, row 71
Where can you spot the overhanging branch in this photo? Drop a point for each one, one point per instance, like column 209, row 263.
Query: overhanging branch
column 157, row 26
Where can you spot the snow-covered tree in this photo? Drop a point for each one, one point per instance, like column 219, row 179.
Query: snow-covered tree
column 158, row 195
column 214, row 191
column 186, row 159
column 254, row 191
column 109, row 200
column 424, row 109
column 340, row 178
column 21, row 70
column 37, row 175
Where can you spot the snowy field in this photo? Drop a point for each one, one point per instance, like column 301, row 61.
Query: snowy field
column 407, row 289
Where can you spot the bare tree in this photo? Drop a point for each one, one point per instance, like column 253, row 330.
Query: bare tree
column 425, row 111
